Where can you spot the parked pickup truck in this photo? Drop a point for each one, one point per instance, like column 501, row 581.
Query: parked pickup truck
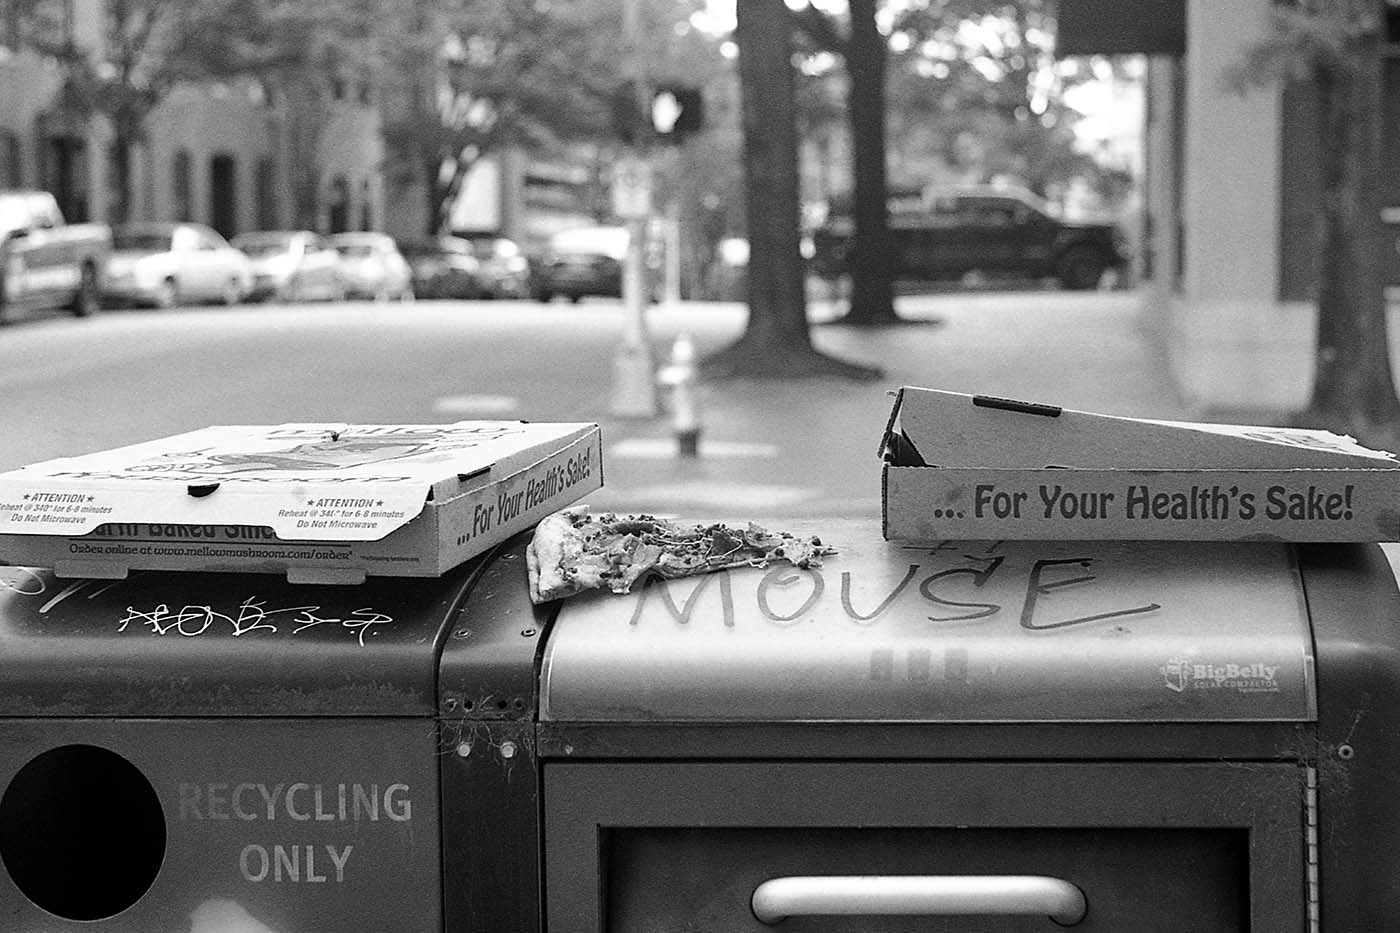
column 947, row 233
column 45, row 263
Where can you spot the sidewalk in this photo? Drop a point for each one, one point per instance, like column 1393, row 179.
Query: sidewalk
column 810, row 447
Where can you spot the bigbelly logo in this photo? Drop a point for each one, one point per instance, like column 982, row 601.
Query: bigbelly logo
column 1182, row 674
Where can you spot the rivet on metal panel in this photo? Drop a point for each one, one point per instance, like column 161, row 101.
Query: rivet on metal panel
column 464, row 749
column 450, row 704
column 507, row 749
column 528, row 632
column 462, row 633
column 1346, row 752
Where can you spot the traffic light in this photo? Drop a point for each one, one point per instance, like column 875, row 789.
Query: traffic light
column 676, row 111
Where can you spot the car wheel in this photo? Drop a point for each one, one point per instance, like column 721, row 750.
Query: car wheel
column 232, row 293
column 167, row 295
column 88, row 299
column 575, row 298
column 1081, row 268
column 544, row 297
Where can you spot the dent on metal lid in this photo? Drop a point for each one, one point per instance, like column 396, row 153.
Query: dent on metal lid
column 1027, row 631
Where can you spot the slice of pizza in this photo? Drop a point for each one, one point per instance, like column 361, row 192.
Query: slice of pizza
column 576, row 550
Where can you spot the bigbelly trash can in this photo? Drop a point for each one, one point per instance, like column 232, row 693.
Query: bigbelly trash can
column 972, row 736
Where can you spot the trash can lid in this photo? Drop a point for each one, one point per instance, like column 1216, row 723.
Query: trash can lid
column 221, row 644
column 1027, row 631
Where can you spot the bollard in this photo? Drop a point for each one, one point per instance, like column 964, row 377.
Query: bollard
column 679, row 374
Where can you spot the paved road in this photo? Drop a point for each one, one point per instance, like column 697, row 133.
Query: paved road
column 809, row 447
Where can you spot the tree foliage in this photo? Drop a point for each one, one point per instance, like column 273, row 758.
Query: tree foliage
column 963, row 88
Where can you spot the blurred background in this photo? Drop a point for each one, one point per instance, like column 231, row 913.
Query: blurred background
column 1177, row 208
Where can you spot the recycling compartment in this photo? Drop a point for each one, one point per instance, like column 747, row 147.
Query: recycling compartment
column 1109, row 735
column 194, row 751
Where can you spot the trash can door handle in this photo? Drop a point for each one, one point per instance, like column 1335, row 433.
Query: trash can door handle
column 926, row 895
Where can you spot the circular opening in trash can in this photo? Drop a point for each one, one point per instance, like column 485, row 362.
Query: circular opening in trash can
column 82, row 833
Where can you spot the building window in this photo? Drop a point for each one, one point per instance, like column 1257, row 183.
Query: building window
column 223, row 194
column 11, row 160
column 65, row 174
column 184, row 185
column 267, row 194
column 340, row 204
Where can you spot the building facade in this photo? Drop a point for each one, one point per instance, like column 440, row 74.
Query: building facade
column 1232, row 196
column 222, row 154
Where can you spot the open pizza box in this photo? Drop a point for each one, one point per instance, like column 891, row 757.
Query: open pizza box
column 322, row 503
column 962, row 466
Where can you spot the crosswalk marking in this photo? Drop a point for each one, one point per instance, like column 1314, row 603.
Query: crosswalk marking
column 665, row 448
column 476, row 405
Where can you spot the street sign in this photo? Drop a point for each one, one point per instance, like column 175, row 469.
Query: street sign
column 631, row 189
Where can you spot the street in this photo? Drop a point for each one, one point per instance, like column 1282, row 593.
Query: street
column 767, row 449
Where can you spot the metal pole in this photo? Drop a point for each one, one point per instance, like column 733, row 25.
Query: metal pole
column 634, row 375
column 671, row 293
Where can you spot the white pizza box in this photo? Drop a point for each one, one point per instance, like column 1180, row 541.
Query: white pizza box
column 322, row 503
column 964, row 466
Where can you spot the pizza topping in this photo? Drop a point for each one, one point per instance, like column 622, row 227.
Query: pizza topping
column 575, row 550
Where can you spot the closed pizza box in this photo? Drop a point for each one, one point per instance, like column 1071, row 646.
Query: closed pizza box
column 322, row 503
column 968, row 466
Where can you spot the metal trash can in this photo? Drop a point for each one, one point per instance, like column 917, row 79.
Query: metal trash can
column 202, row 752
column 1104, row 736
column 1031, row 735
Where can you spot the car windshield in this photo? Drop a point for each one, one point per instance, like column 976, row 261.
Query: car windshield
column 355, row 250
column 147, row 241
column 12, row 214
column 264, row 245
column 592, row 241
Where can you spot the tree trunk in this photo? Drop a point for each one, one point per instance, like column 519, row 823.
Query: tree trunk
column 1354, row 390
column 777, row 342
column 872, row 255
column 304, row 120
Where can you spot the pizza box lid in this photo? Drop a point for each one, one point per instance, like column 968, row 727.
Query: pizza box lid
column 973, row 466
column 305, row 481
column 934, row 427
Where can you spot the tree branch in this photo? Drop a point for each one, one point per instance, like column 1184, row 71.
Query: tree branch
column 819, row 28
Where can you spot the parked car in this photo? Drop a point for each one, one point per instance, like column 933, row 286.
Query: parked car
column 505, row 269
column 949, row 233
column 46, row 263
column 164, row 265
column 583, row 261
column 372, row 267
column 292, row 265
column 444, row 267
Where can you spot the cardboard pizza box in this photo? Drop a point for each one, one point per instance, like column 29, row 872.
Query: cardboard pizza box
column 322, row 503
column 965, row 466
